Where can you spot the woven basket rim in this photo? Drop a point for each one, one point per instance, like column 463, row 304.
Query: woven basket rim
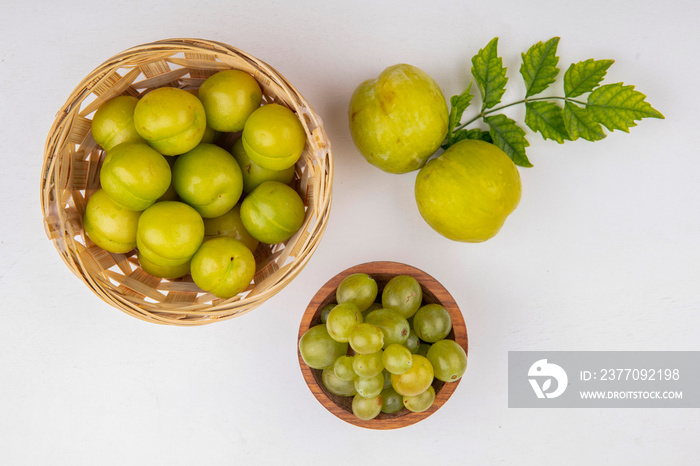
column 296, row 253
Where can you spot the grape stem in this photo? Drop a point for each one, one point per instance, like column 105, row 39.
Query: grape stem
column 485, row 112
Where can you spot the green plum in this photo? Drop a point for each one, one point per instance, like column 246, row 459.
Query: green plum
column 223, row 266
column 254, row 174
column 169, row 233
column 164, row 271
column 113, row 122
column 170, row 194
column 359, row 289
column 209, row 179
column 398, row 120
column 467, row 192
column 109, row 226
column 135, row 175
column 273, row 137
column 210, row 135
column 449, row 360
column 416, row 380
column 172, row 120
column 230, row 225
column 229, row 97
column 318, row 349
column 273, row 212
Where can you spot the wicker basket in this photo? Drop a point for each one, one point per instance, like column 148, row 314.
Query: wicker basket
column 70, row 174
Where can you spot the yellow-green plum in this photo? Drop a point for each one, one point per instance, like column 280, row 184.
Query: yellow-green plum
column 398, row 120
column 109, row 226
column 172, row 120
column 273, row 137
column 113, row 122
column 170, row 194
column 273, row 212
column 223, row 266
column 229, row 97
column 164, row 271
column 467, row 192
column 209, row 179
column 230, row 225
column 169, row 233
column 135, row 175
column 210, row 134
column 254, row 174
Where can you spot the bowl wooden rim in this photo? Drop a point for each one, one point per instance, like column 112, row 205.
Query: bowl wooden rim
column 433, row 291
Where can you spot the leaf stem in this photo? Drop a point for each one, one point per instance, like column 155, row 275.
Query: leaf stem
column 484, row 113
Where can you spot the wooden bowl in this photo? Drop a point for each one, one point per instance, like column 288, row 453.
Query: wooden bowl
column 382, row 272
column 70, row 175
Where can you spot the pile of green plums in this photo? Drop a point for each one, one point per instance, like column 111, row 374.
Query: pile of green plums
column 383, row 349
column 188, row 205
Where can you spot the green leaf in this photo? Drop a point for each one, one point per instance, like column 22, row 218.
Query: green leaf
column 617, row 106
column 539, row 68
column 546, row 117
column 490, row 74
column 507, row 135
column 580, row 125
column 458, row 104
column 479, row 134
column 584, row 76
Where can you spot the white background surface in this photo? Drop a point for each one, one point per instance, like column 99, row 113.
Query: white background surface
column 602, row 253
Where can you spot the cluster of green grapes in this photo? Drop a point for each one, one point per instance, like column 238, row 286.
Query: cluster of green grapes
column 385, row 353
column 187, row 204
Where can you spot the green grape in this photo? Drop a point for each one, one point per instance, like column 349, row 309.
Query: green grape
column 393, row 324
column 423, row 349
column 412, row 342
column 335, row 385
column 387, row 379
column 369, row 387
column 449, row 360
column 416, row 380
column 342, row 367
column 372, row 307
column 366, row 338
column 368, row 365
column 432, row 323
column 341, row 320
column 403, row 294
column 318, row 349
column 397, row 358
column 367, row 408
column 325, row 311
column 359, row 289
column 421, row 402
column 392, row 402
